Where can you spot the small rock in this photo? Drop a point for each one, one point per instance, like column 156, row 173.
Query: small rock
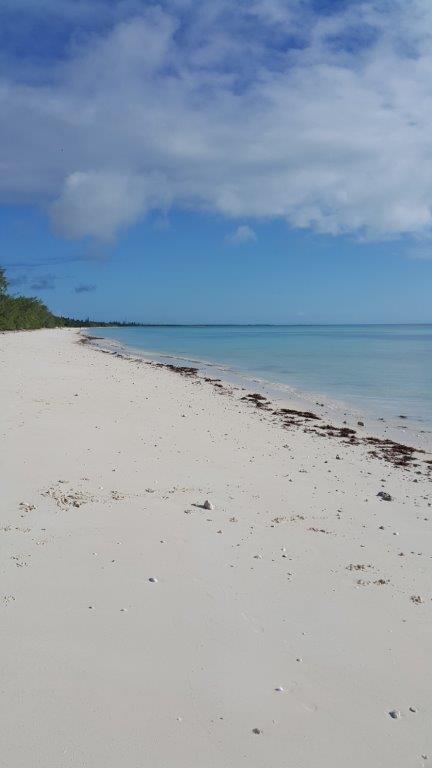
column 384, row 496
column 395, row 714
column 412, row 709
column 208, row 505
column 360, row 423
column 256, row 730
column 153, row 580
column 279, row 689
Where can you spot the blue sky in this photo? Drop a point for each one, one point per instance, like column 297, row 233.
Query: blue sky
column 265, row 161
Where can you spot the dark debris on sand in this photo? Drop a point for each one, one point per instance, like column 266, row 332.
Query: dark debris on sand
column 397, row 454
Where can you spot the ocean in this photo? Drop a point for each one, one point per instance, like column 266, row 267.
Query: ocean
column 382, row 370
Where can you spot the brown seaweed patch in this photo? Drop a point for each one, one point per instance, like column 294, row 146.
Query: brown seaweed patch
column 183, row 370
column 398, row 454
column 258, row 400
column 333, row 431
column 293, row 412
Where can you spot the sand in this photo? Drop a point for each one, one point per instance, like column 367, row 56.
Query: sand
column 301, row 578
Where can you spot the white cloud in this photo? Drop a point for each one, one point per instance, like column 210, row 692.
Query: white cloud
column 243, row 234
column 168, row 107
column 99, row 203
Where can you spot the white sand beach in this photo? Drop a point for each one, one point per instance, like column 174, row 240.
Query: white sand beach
column 290, row 626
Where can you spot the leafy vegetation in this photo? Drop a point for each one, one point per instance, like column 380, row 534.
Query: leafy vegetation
column 3, row 282
column 20, row 312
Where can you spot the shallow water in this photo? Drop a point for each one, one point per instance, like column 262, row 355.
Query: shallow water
column 383, row 370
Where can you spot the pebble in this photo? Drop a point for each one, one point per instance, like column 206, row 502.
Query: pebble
column 395, row 714
column 256, row 730
column 208, row 505
column 384, row 496
column 279, row 689
column 153, row 580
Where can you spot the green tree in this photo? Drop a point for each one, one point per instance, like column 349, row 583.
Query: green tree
column 22, row 313
column 18, row 312
column 3, row 282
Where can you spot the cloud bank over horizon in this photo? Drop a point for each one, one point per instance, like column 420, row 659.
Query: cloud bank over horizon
column 270, row 109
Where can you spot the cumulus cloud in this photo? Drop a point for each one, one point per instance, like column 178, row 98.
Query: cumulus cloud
column 99, row 203
column 243, row 234
column 257, row 109
column 85, row 288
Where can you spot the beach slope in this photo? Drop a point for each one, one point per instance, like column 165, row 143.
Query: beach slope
column 289, row 625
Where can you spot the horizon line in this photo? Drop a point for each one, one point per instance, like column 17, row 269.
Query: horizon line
column 138, row 324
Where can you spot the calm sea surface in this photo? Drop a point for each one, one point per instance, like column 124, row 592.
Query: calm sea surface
column 382, row 369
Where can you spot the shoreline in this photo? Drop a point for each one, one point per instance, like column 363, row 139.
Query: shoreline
column 399, row 412
column 289, row 623
column 342, row 414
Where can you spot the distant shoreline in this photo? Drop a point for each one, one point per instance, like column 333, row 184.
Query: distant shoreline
column 344, row 410
column 340, row 414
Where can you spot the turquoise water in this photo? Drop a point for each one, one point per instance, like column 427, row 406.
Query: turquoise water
column 382, row 369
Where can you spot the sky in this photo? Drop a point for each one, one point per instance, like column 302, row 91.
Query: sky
column 182, row 161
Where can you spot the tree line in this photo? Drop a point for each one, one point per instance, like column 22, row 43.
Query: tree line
column 22, row 313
